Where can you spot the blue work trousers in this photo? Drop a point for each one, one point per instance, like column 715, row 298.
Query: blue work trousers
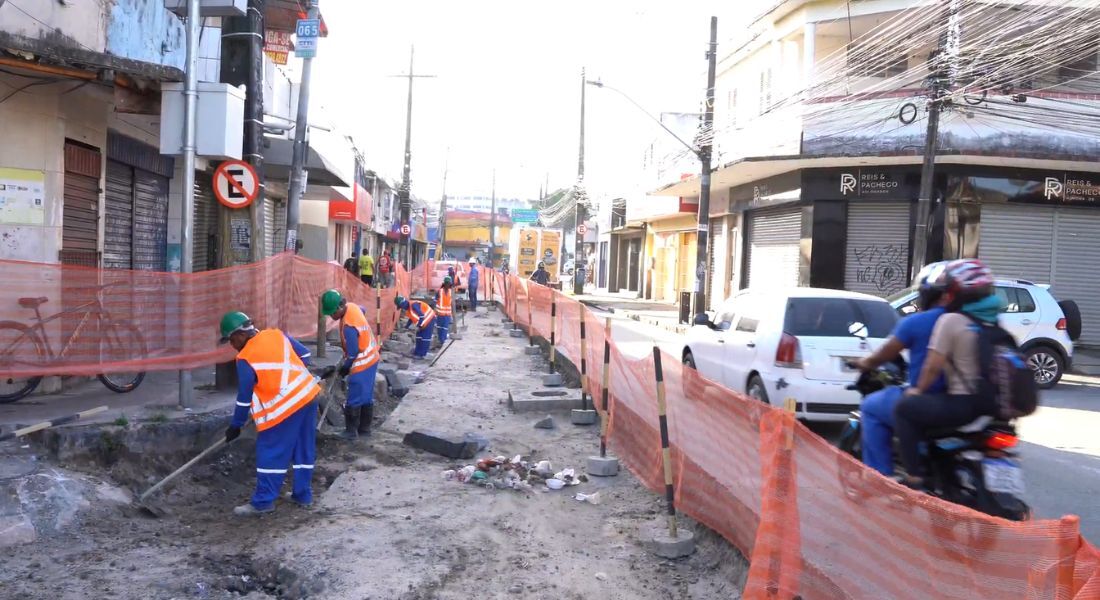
column 473, row 297
column 877, row 435
column 361, row 387
column 424, row 339
column 291, row 443
column 442, row 327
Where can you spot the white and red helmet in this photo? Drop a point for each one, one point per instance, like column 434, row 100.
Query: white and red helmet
column 967, row 277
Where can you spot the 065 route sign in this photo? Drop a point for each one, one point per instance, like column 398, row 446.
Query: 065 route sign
column 307, row 30
column 236, row 184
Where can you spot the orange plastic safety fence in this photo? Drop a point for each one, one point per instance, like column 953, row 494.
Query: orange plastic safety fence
column 66, row 320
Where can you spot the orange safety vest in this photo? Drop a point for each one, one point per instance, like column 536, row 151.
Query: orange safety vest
column 283, row 384
column 366, row 355
column 443, row 302
column 428, row 313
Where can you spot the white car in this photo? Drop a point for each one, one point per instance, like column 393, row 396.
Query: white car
column 1044, row 328
column 792, row 343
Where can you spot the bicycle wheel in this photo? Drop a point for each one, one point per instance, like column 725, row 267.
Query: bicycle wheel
column 18, row 347
column 122, row 342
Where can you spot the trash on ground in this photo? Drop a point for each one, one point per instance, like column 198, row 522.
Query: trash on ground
column 555, row 484
column 514, row 473
column 589, row 498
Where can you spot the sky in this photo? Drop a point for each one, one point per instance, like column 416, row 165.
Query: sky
column 506, row 91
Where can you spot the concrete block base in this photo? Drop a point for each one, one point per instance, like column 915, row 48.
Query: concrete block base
column 506, row 320
column 602, row 466
column 532, row 351
column 584, row 417
column 541, row 404
column 449, row 445
column 516, row 333
column 552, row 380
column 658, row 541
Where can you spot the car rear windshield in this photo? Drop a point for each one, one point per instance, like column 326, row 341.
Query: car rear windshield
column 834, row 317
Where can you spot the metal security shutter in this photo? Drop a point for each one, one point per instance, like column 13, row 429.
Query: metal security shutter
column 773, row 243
column 80, row 217
column 876, row 259
column 203, row 233
column 1076, row 255
column 150, row 233
column 118, row 223
column 1015, row 241
column 279, row 231
column 717, row 276
column 269, row 227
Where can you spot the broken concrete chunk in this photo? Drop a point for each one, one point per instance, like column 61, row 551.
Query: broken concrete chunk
column 443, row 444
column 545, row 423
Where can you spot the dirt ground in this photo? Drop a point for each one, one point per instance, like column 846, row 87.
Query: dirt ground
column 385, row 523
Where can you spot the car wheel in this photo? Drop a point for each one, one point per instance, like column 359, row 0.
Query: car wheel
column 689, row 360
column 756, row 389
column 1047, row 366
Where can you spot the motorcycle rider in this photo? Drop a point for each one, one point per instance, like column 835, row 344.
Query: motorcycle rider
column 952, row 350
column 911, row 333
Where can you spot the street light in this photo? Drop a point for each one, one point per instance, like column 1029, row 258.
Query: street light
column 600, row 84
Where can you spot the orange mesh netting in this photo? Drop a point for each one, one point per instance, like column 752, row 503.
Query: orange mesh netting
column 814, row 522
column 98, row 320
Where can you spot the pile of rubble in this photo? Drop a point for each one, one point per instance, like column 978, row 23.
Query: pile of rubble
column 517, row 474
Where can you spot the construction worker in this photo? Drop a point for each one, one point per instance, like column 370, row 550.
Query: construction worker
column 360, row 363
column 275, row 385
column 444, row 308
column 471, row 283
column 422, row 315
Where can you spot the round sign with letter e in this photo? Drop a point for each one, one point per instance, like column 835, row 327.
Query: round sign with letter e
column 236, row 184
column 405, row 229
column 582, row 229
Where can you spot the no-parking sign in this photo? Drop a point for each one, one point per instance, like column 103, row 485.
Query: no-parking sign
column 236, row 184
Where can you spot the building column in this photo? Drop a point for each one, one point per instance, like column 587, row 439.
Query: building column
column 809, row 48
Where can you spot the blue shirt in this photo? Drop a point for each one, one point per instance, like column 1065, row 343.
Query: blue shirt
column 246, row 382
column 472, row 278
column 914, row 332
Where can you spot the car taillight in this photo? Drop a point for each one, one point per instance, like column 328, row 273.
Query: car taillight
column 789, row 352
column 1061, row 325
column 1001, row 441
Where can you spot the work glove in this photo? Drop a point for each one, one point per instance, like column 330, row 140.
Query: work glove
column 231, row 433
column 345, row 369
column 327, row 372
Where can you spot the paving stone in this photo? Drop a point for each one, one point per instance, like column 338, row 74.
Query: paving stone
column 444, row 444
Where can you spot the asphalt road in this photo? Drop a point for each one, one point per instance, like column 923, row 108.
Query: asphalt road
column 1060, row 452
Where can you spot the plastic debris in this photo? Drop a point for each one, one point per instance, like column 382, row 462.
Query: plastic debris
column 589, row 498
column 555, row 484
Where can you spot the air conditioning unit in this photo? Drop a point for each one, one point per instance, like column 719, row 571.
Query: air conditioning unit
column 210, row 8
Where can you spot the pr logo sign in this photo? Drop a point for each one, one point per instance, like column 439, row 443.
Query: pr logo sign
column 1052, row 188
column 847, row 183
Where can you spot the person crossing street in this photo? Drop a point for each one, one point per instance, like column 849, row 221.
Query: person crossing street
column 360, row 363
column 275, row 385
column 421, row 315
column 444, row 309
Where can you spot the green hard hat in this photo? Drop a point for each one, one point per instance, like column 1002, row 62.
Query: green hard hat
column 233, row 322
column 330, row 302
column 448, row 281
column 399, row 300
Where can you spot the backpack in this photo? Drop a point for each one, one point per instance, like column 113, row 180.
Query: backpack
column 1006, row 377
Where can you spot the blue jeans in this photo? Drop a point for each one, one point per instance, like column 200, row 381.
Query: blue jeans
column 473, row 298
column 877, row 434
column 288, row 444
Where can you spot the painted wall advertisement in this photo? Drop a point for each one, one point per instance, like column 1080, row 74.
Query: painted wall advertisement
column 528, row 252
column 550, row 251
column 22, row 197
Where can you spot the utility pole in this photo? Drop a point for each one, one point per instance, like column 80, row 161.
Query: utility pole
column 578, row 238
column 403, row 194
column 946, row 54
column 493, row 222
column 443, row 211
column 705, row 155
column 190, row 110
column 301, row 149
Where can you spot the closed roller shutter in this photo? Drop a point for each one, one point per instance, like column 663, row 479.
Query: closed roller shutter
column 269, row 227
column 204, row 230
column 1015, row 241
column 80, row 217
column 118, row 211
column 279, row 231
column 716, row 278
column 1076, row 255
column 773, row 243
column 876, row 258
column 150, row 238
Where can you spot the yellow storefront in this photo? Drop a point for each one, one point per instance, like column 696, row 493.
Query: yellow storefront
column 670, row 256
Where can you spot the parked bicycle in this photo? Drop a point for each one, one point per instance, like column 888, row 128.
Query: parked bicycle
column 25, row 346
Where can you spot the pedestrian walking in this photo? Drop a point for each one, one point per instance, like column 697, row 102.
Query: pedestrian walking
column 421, row 315
column 352, row 265
column 385, row 267
column 360, row 362
column 366, row 268
column 471, row 283
column 541, row 276
column 444, row 309
column 273, row 384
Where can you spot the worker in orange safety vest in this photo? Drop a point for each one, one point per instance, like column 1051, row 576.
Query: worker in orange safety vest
column 277, row 388
column 444, row 307
column 421, row 315
column 360, row 363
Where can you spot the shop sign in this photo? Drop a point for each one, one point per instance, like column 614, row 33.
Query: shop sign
column 1071, row 189
column 277, row 46
column 864, row 183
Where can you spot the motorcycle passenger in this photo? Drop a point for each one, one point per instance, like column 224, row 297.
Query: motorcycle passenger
column 911, row 333
column 953, row 350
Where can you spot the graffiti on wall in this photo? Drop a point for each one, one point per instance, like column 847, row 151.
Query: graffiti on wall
column 881, row 267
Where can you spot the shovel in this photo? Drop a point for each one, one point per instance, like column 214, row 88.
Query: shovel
column 159, row 512
column 445, row 348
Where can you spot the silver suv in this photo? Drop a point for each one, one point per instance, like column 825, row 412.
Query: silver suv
column 1044, row 328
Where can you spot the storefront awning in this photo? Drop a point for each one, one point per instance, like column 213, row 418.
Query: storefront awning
column 323, row 171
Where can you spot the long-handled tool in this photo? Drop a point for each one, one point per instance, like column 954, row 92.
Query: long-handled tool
column 51, row 423
column 328, row 400
column 157, row 512
column 445, row 348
